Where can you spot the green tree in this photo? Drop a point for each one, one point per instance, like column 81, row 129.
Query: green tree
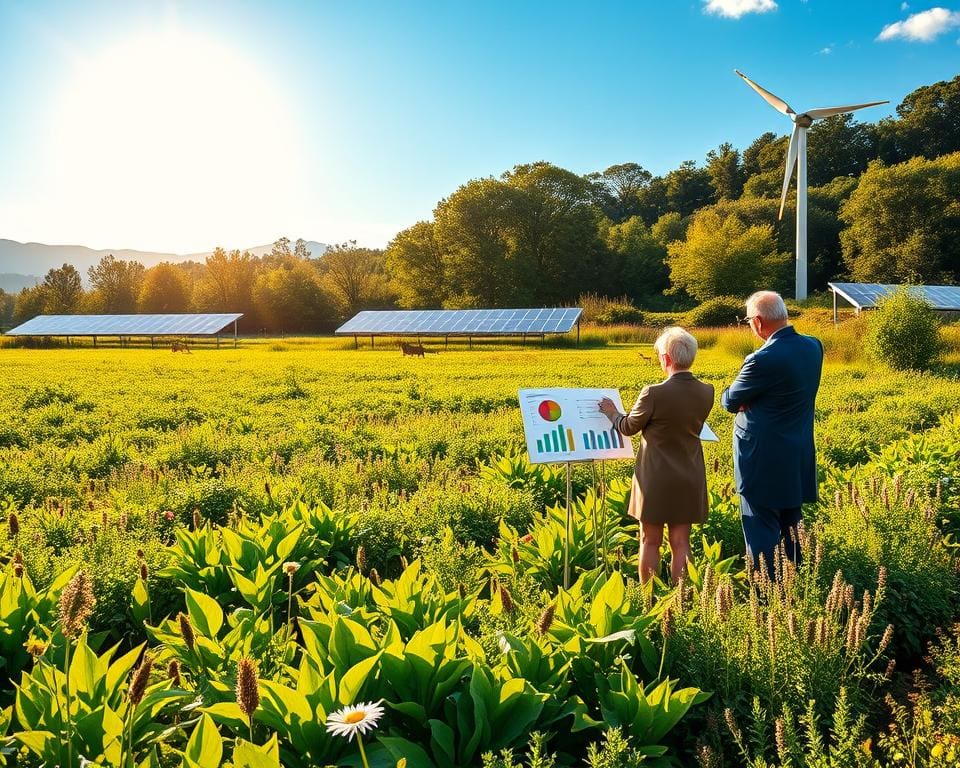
column 652, row 200
column 29, row 303
column 669, row 227
column 723, row 256
column 289, row 298
column 356, row 278
column 7, row 303
column 838, row 146
column 417, row 267
column 556, row 250
column 166, row 289
column 726, row 172
column 639, row 261
column 903, row 222
column 618, row 189
column 116, row 285
column 688, row 188
column 62, row 290
column 752, row 155
column 300, row 250
column 476, row 229
column 227, row 285
column 928, row 124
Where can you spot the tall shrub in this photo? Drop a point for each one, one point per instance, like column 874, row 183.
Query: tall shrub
column 904, row 332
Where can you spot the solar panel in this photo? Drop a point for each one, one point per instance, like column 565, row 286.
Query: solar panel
column 124, row 325
column 461, row 322
column 866, row 295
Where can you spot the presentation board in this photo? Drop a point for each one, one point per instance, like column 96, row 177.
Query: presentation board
column 565, row 424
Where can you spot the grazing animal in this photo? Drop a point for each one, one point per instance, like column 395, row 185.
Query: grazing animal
column 412, row 349
column 180, row 346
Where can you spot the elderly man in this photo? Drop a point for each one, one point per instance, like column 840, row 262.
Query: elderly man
column 773, row 453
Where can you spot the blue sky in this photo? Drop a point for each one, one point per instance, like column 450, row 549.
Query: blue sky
column 182, row 125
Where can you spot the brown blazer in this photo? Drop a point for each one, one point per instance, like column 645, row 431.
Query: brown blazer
column 670, row 481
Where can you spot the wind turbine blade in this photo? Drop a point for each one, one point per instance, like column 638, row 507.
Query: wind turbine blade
column 791, row 162
column 774, row 101
column 830, row 111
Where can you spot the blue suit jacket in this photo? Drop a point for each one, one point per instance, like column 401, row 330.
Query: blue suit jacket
column 773, row 396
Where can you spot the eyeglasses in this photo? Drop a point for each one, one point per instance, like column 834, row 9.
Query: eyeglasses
column 746, row 320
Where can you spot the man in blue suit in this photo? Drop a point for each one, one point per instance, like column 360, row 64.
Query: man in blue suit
column 774, row 458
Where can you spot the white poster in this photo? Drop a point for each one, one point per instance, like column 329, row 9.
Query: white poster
column 566, row 425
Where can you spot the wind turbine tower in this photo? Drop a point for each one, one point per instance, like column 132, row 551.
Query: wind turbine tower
column 797, row 155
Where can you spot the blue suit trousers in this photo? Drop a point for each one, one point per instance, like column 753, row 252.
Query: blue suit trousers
column 763, row 530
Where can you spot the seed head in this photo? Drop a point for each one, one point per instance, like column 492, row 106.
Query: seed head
column 139, row 679
column 13, row 525
column 143, row 570
column 780, row 734
column 882, row 579
column 374, row 577
column 18, row 557
column 76, row 605
column 266, row 487
column 792, row 624
column 732, row 724
column 362, row 559
column 36, row 647
column 18, row 570
column 291, row 568
column 506, row 599
column 173, row 672
column 772, row 635
column 546, row 619
column 186, row 630
column 666, row 624
column 515, row 555
column 810, row 632
column 196, row 519
column 891, row 666
column 248, row 692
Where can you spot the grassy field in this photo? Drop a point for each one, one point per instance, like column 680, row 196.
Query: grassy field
column 194, row 468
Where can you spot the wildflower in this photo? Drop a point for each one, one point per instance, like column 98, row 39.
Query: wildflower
column 76, row 605
column 362, row 558
column 732, row 724
column 881, row 579
column 503, row 643
column 810, row 633
column 374, row 577
column 139, row 679
column 666, row 624
column 355, row 720
column 291, row 568
column 36, row 647
column 780, row 735
column 186, row 630
column 404, row 563
column 526, row 539
column 173, row 672
column 885, row 639
column 772, row 635
column 891, row 666
column 852, row 644
column 168, row 516
column 13, row 525
column 248, row 691
column 143, row 570
column 792, row 624
column 546, row 619
column 18, row 557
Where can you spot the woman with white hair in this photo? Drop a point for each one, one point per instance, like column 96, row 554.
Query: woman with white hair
column 670, row 481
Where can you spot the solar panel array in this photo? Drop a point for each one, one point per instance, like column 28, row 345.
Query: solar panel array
column 124, row 325
column 866, row 295
column 462, row 322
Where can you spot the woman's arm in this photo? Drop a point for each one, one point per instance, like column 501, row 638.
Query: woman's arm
column 634, row 421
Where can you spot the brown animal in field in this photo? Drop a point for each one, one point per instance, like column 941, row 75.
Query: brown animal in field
column 180, row 346
column 412, row 349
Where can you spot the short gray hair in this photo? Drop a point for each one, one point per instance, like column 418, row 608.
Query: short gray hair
column 768, row 304
column 679, row 344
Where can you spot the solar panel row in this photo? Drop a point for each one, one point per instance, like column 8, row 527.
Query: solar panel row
column 124, row 325
column 443, row 322
column 866, row 295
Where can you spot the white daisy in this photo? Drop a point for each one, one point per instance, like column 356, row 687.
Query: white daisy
column 355, row 719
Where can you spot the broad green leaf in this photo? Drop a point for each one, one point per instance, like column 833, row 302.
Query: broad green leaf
column 140, row 601
column 205, row 747
column 205, row 613
column 401, row 749
column 352, row 682
column 38, row 741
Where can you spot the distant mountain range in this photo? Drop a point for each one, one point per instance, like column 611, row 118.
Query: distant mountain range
column 25, row 264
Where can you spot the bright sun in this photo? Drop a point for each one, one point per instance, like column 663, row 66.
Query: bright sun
column 174, row 140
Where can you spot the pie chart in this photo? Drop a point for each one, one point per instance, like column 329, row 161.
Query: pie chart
column 549, row 410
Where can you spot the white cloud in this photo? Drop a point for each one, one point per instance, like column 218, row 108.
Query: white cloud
column 923, row 27
column 827, row 50
column 904, row 6
column 734, row 9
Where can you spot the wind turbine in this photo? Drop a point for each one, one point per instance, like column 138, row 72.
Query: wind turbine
column 797, row 155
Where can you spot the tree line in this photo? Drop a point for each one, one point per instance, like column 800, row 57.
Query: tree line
column 884, row 206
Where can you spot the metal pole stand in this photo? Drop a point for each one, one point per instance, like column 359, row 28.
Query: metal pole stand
column 569, row 532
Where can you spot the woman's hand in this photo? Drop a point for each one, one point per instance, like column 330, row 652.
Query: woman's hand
column 609, row 408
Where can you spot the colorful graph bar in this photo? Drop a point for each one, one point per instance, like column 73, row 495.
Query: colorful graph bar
column 605, row 440
column 558, row 440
